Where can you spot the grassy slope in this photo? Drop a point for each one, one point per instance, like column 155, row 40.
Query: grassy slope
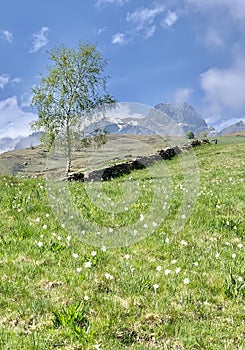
column 31, row 162
column 198, row 273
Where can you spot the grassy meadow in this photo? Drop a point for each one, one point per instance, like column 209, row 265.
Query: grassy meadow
column 170, row 290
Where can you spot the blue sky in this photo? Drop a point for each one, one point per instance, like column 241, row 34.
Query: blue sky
column 157, row 51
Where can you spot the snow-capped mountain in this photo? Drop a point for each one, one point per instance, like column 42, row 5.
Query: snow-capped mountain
column 173, row 119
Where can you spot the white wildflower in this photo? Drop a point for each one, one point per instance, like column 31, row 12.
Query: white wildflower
column 108, row 276
column 155, row 286
column 132, row 269
column 97, row 347
column 87, row 264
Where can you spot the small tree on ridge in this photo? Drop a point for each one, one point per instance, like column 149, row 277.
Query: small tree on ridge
column 71, row 92
column 190, row 135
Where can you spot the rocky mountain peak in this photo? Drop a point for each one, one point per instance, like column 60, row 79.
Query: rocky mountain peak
column 184, row 115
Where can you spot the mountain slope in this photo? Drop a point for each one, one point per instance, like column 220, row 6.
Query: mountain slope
column 240, row 126
column 20, row 142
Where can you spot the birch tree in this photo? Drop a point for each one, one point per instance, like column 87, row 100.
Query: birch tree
column 73, row 89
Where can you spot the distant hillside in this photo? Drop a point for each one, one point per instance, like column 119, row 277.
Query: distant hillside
column 20, row 142
column 33, row 161
column 8, row 144
column 240, row 126
column 27, row 142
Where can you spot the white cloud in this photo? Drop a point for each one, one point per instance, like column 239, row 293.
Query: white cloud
column 116, row 2
column 5, row 80
column 182, row 94
column 8, row 35
column 101, row 30
column 224, row 88
column 170, row 19
column 144, row 19
column 26, row 100
column 118, row 38
column 14, row 121
column 127, row 110
column 236, row 7
column 145, row 15
column 39, row 40
column 16, row 80
column 150, row 31
column 214, row 39
column 224, row 18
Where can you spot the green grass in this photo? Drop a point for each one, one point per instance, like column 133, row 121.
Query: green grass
column 183, row 290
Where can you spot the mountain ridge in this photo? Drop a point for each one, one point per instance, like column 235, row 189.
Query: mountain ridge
column 172, row 118
column 236, row 127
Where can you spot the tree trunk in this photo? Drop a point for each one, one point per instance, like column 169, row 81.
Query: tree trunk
column 69, row 151
column 68, row 167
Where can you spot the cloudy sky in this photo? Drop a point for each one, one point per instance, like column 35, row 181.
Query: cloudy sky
column 157, row 51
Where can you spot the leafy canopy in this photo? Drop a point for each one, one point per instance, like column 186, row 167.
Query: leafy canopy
column 190, row 135
column 73, row 89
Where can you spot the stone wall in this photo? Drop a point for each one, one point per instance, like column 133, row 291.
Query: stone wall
column 141, row 162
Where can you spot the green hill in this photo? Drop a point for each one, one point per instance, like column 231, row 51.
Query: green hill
column 175, row 278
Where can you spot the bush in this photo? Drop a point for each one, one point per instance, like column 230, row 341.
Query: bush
column 190, row 135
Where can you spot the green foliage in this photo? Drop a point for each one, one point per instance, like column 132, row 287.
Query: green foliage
column 72, row 92
column 235, row 288
column 190, row 135
column 73, row 316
